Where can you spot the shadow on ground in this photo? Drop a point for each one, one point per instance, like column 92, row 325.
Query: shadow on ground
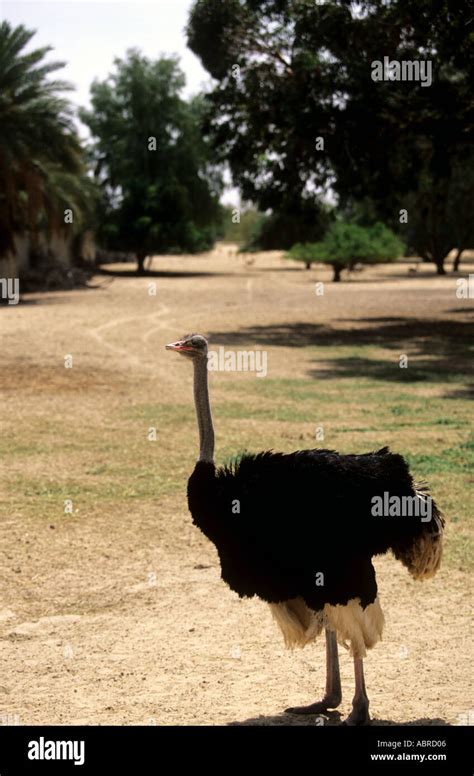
column 331, row 719
column 153, row 273
column 437, row 350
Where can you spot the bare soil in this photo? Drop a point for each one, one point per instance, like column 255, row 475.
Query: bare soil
column 116, row 614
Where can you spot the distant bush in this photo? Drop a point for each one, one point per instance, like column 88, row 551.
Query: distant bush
column 347, row 244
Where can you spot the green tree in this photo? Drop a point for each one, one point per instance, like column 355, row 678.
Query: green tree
column 441, row 215
column 461, row 192
column 296, row 109
column 41, row 165
column 160, row 187
column 347, row 244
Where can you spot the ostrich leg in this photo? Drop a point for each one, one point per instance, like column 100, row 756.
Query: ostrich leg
column 333, row 694
column 360, row 704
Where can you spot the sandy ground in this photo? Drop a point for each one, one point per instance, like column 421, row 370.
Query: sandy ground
column 118, row 616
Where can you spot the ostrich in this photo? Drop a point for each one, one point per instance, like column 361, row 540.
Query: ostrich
column 299, row 531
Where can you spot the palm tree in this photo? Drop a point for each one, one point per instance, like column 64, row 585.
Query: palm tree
column 41, row 163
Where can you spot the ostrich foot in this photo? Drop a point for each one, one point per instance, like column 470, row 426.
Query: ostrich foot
column 360, row 703
column 328, row 702
column 333, row 693
column 359, row 714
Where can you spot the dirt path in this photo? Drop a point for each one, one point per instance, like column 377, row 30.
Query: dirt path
column 116, row 615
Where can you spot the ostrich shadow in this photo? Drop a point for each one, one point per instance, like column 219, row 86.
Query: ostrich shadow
column 330, row 719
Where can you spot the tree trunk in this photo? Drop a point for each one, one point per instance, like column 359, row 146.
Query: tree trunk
column 141, row 263
column 457, row 260
column 437, row 254
column 337, row 272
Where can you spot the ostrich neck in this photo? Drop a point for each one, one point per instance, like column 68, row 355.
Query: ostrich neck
column 203, row 411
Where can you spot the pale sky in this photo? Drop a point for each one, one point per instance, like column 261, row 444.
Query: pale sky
column 87, row 35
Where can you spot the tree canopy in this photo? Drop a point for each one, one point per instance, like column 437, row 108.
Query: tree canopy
column 41, row 163
column 347, row 244
column 295, row 109
column 160, row 188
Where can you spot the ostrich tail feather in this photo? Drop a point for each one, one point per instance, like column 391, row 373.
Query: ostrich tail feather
column 422, row 556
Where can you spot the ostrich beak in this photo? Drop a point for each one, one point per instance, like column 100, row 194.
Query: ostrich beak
column 177, row 346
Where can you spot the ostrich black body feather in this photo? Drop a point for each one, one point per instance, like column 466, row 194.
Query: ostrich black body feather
column 280, row 520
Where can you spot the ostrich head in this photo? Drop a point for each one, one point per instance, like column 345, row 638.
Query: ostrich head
column 192, row 345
